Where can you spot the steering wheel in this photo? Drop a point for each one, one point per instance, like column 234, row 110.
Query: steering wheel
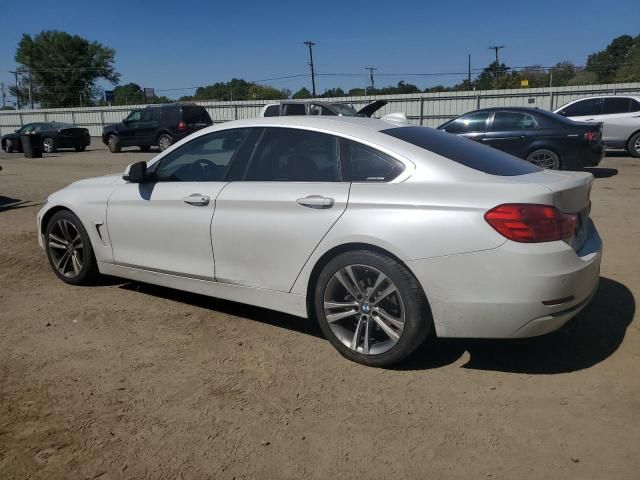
column 198, row 169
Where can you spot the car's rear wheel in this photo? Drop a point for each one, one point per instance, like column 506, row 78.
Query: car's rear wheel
column 69, row 249
column 371, row 308
column 145, row 148
column 113, row 142
column 48, row 145
column 633, row 146
column 165, row 141
column 80, row 148
column 544, row 158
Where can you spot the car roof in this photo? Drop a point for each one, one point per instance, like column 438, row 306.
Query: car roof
column 338, row 124
column 511, row 109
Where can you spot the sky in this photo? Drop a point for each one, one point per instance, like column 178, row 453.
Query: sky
column 172, row 46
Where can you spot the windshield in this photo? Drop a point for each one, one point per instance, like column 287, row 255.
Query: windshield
column 344, row 109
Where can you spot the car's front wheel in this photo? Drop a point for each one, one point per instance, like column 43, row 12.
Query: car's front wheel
column 9, row 146
column 544, row 158
column 69, row 249
column 48, row 145
column 165, row 141
column 371, row 308
column 633, row 147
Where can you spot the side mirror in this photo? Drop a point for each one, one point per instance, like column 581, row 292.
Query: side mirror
column 136, row 172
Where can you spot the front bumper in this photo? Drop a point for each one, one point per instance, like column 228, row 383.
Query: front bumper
column 499, row 293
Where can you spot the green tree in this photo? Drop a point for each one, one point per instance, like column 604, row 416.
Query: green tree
column 302, row 93
column 605, row 63
column 65, row 67
column 333, row 92
column 563, row 72
column 584, row 77
column 129, row 94
column 630, row 71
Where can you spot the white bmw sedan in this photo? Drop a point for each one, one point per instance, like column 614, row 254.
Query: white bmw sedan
column 382, row 233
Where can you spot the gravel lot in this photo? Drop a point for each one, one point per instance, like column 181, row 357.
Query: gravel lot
column 125, row 380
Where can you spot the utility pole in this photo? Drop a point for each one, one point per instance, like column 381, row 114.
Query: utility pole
column 371, row 69
column 30, row 96
column 15, row 73
column 313, row 75
column 496, row 48
column 469, row 73
column 4, row 102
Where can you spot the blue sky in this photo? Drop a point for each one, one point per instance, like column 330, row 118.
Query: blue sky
column 170, row 45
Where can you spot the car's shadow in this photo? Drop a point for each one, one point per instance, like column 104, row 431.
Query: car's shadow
column 601, row 172
column 8, row 203
column 588, row 339
column 616, row 153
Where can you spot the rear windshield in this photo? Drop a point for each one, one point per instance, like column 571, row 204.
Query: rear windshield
column 463, row 151
column 196, row 115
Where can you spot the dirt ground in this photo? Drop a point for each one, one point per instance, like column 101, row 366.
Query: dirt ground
column 125, row 380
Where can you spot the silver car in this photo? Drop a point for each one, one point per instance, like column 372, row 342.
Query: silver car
column 382, row 233
column 619, row 115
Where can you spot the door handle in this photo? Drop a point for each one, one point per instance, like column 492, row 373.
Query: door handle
column 196, row 199
column 316, row 201
column 588, row 119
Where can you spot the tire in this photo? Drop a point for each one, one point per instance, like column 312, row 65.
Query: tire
column 48, row 145
column 145, row 148
column 80, row 148
column 407, row 303
column 165, row 141
column 633, row 145
column 545, row 158
column 113, row 142
column 9, row 147
column 69, row 249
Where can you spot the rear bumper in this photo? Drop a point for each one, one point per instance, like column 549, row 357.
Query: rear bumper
column 499, row 293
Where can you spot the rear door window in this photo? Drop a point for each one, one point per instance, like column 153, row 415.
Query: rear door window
column 464, row 151
column 505, row 121
column 589, row 106
column 615, row 105
column 472, row 122
column 292, row 155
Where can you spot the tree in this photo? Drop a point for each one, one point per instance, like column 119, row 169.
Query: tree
column 605, row 63
column 562, row 73
column 630, row 71
column 584, row 77
column 333, row 92
column 129, row 94
column 65, row 67
column 302, row 93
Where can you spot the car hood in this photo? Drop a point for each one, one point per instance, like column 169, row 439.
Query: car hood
column 94, row 181
column 112, row 125
column 10, row 135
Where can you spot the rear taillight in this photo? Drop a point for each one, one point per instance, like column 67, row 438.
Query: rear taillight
column 531, row 223
column 181, row 126
column 591, row 136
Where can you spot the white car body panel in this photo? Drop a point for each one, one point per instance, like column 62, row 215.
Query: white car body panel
column 254, row 243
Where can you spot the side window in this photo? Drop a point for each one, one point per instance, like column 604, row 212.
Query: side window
column 291, row 155
column 634, row 105
column 133, row 116
column 315, row 109
column 365, row 164
column 147, row 115
column 615, row 105
column 272, row 111
column 590, row 106
column 505, row 121
column 472, row 122
column 204, row 159
column 294, row 109
column 31, row 127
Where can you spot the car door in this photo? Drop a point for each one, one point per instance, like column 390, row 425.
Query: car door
column 267, row 225
column 165, row 225
column 473, row 125
column 511, row 132
column 129, row 133
column 620, row 119
column 147, row 127
column 587, row 110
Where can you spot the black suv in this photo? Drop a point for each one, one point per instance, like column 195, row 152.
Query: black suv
column 160, row 125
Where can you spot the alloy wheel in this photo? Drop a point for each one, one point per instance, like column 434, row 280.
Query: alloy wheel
column 164, row 142
column 66, row 248
column 364, row 309
column 48, row 145
column 545, row 159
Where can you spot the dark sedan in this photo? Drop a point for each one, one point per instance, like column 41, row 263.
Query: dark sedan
column 538, row 136
column 54, row 135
